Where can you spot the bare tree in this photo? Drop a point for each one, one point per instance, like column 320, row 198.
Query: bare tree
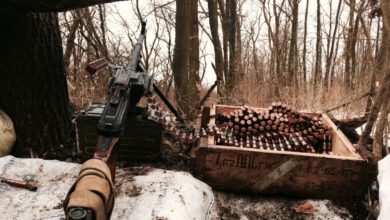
column 293, row 54
column 213, row 21
column 318, row 57
column 330, row 58
column 383, row 92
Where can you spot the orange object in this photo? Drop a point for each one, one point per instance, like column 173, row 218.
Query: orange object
column 306, row 208
column 20, row 183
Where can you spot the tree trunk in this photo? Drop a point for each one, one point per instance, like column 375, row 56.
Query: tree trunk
column 380, row 127
column 318, row 69
column 293, row 54
column 353, row 52
column 330, row 58
column 33, row 82
column 348, row 47
column 70, row 44
column 231, row 79
column 377, row 68
column 385, row 82
column 224, row 23
column 194, row 79
column 213, row 19
column 184, row 65
column 304, row 47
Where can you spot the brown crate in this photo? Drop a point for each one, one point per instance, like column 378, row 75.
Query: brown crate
column 340, row 174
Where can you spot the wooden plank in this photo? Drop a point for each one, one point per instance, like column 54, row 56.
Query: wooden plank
column 295, row 153
column 212, row 122
column 341, row 144
column 295, row 175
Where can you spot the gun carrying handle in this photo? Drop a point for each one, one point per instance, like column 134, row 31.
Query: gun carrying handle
column 94, row 66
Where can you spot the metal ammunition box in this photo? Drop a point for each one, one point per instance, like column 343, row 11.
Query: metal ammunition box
column 141, row 140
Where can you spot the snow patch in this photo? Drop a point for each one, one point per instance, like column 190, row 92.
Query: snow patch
column 150, row 194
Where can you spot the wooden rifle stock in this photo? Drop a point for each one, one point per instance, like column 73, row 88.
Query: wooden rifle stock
column 107, row 151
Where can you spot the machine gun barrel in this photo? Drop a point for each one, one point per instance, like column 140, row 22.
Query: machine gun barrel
column 127, row 78
column 136, row 53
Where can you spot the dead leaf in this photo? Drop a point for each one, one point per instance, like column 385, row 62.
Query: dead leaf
column 306, row 208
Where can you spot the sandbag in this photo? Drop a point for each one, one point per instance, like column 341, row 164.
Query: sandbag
column 7, row 134
column 384, row 188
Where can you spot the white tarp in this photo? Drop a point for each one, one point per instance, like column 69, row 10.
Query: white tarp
column 142, row 193
column 384, row 188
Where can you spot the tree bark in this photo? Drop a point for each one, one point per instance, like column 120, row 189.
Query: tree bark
column 231, row 79
column 293, row 53
column 375, row 68
column 213, row 20
column 318, row 69
column 304, row 47
column 353, row 51
column 224, row 23
column 185, row 66
column 380, row 127
column 348, row 46
column 330, row 58
column 384, row 88
column 194, row 79
column 70, row 44
column 33, row 82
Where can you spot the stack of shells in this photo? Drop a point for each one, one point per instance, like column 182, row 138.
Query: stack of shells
column 183, row 134
column 279, row 127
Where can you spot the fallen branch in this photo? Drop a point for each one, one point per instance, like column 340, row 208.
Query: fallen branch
column 350, row 102
column 348, row 126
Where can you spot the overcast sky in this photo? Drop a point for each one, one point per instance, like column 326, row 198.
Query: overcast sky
column 250, row 12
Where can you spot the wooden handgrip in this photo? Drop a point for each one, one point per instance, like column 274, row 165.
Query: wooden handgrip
column 94, row 66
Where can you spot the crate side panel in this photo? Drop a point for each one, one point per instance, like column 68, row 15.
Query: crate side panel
column 283, row 174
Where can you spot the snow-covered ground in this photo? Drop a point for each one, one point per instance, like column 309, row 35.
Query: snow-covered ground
column 144, row 193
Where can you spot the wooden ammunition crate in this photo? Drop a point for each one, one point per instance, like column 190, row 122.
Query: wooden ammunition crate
column 339, row 174
column 141, row 140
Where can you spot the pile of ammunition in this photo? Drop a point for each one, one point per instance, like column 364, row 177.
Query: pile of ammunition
column 279, row 127
column 183, row 134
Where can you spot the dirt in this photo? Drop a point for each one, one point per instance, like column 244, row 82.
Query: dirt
column 125, row 176
column 238, row 206
column 59, row 205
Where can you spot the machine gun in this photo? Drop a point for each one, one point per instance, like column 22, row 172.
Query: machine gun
column 92, row 195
